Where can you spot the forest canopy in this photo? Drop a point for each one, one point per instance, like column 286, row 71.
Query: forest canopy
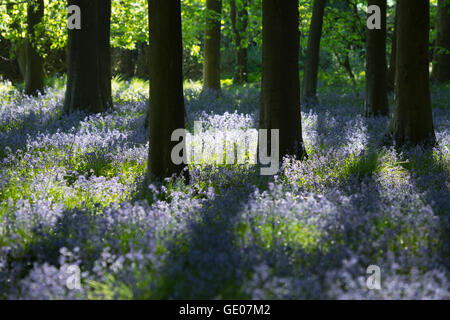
column 129, row 31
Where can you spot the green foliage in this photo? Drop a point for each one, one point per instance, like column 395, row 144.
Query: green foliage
column 129, row 23
column 342, row 45
column 50, row 33
column 253, row 35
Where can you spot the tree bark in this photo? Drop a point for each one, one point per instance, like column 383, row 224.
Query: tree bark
column 239, row 22
column 392, row 62
column 167, row 111
column 376, row 66
column 34, row 63
column 441, row 69
column 89, row 59
column 312, row 54
column 280, row 87
column 123, row 62
column 412, row 119
column 22, row 58
column 211, row 67
column 142, row 61
column 9, row 68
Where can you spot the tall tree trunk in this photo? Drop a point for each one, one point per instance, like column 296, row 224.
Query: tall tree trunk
column 280, row 95
column 34, row 64
column 441, row 69
column 376, row 66
column 19, row 48
column 9, row 68
column 211, row 67
column 345, row 63
column 123, row 62
column 239, row 22
column 412, row 119
column 89, row 59
column 21, row 54
column 392, row 62
column 166, row 86
column 142, row 61
column 313, row 51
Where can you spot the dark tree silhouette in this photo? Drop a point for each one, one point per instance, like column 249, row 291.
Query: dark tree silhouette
column 376, row 66
column 412, row 119
column 211, row 67
column 89, row 59
column 313, row 51
column 441, row 69
column 239, row 22
column 393, row 58
column 34, row 64
column 166, row 112
column 280, row 95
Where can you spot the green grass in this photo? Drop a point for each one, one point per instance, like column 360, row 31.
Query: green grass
column 292, row 234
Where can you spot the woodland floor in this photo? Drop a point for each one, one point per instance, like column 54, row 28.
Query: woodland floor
column 68, row 196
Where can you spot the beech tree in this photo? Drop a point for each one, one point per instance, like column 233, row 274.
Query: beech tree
column 393, row 57
column 239, row 22
column 34, row 64
column 441, row 68
column 280, row 87
column 211, row 66
column 89, row 59
column 376, row 65
column 313, row 51
column 412, row 119
column 166, row 109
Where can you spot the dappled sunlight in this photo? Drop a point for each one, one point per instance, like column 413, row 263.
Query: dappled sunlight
column 71, row 195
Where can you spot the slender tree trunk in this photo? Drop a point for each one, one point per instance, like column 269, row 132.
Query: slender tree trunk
column 376, row 67
column 142, row 61
column 313, row 51
column 392, row 63
column 239, row 22
column 345, row 63
column 412, row 119
column 89, row 59
column 123, row 62
column 441, row 69
column 347, row 66
column 166, row 86
column 211, row 67
column 9, row 68
column 21, row 55
column 34, row 64
column 19, row 50
column 280, row 95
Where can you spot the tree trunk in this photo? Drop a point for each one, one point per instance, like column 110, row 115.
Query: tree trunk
column 239, row 22
column 392, row 63
column 376, row 66
column 345, row 63
column 167, row 111
column 412, row 119
column 21, row 55
column 441, row 69
column 280, row 87
column 34, row 64
column 313, row 51
column 211, row 67
column 348, row 67
column 9, row 68
column 142, row 62
column 89, row 59
column 123, row 62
